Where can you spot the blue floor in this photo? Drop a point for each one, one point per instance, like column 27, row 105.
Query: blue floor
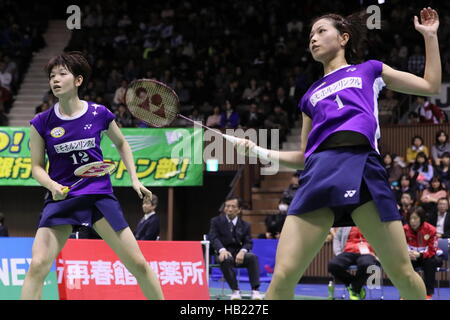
column 320, row 291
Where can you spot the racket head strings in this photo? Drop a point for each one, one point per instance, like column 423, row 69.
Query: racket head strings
column 95, row 169
column 152, row 101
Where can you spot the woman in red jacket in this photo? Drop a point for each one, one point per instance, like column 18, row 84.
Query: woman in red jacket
column 422, row 243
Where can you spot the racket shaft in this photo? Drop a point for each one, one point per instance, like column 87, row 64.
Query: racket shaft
column 76, row 183
column 67, row 189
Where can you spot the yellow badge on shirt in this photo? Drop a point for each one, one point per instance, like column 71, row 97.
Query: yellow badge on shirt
column 426, row 237
column 57, row 132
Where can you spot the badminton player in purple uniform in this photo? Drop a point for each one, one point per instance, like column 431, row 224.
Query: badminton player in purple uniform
column 70, row 134
column 343, row 182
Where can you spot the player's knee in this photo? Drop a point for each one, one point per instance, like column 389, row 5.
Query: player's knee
column 40, row 266
column 285, row 273
column 139, row 267
column 404, row 274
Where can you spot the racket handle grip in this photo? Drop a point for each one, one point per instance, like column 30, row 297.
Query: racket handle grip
column 262, row 153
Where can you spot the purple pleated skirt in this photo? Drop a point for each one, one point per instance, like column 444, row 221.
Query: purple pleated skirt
column 343, row 179
column 83, row 210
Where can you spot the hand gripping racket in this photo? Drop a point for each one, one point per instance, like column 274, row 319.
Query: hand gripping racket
column 92, row 170
column 157, row 104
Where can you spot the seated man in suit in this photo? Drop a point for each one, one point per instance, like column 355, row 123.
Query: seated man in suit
column 351, row 248
column 148, row 227
column 231, row 239
column 441, row 219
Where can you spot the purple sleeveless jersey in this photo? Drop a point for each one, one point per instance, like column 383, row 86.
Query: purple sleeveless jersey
column 344, row 100
column 71, row 142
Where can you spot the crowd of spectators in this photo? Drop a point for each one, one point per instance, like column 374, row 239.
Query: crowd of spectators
column 236, row 63
column 422, row 178
column 21, row 27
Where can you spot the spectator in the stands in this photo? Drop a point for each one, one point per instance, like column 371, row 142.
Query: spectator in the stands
column 443, row 170
column 4, row 120
column 412, row 118
column 251, row 92
column 429, row 112
column 440, row 218
column 229, row 117
column 286, row 104
column 196, row 116
column 416, row 62
column 5, row 76
column 278, row 119
column 124, row 118
column 405, row 184
column 213, row 120
column 422, row 244
column 406, row 204
column 440, row 146
column 432, row 194
column 119, row 95
column 6, row 94
column 253, row 118
column 416, row 147
column 388, row 107
column 274, row 223
column 393, row 170
column 182, row 92
column 421, row 171
column 289, row 192
column 42, row 107
column 233, row 92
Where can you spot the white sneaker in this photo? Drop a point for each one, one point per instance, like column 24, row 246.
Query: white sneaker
column 256, row 295
column 236, row 295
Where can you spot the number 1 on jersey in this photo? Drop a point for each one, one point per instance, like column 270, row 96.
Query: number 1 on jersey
column 83, row 158
column 339, row 102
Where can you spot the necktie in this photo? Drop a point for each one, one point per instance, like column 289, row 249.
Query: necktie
column 233, row 231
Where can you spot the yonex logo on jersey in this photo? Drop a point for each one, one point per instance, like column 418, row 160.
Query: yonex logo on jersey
column 57, row 132
column 349, row 193
column 350, row 69
column 83, row 144
column 349, row 82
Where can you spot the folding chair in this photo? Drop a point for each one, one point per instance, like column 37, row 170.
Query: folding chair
column 443, row 245
column 353, row 268
column 213, row 264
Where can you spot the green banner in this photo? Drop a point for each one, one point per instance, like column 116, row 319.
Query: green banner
column 163, row 157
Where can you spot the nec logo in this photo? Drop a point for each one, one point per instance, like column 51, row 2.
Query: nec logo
column 349, row 193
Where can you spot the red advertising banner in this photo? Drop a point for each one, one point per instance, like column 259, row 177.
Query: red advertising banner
column 90, row 270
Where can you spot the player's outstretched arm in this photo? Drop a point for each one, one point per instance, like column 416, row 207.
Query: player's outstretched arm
column 292, row 159
column 430, row 84
column 124, row 149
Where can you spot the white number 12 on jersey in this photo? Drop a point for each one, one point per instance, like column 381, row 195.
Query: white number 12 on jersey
column 339, row 102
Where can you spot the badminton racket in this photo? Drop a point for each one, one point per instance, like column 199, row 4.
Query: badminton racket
column 158, row 105
column 92, row 170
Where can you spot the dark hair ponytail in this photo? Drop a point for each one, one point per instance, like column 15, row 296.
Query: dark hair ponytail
column 355, row 26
